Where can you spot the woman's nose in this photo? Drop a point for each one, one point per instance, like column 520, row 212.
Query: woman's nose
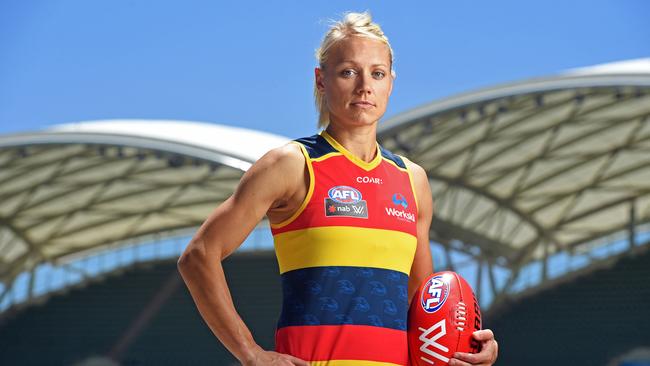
column 363, row 84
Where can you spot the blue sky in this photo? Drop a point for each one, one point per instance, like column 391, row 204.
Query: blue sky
column 250, row 64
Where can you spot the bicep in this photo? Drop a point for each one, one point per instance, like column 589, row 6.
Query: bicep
column 267, row 181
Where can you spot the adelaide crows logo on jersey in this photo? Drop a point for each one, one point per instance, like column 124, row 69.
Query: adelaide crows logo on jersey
column 345, row 201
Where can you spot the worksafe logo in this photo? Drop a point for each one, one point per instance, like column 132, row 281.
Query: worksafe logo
column 399, row 199
column 345, row 201
column 399, row 213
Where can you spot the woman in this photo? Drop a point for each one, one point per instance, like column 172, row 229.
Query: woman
column 350, row 223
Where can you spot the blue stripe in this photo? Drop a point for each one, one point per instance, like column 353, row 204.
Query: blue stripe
column 392, row 157
column 344, row 295
column 316, row 146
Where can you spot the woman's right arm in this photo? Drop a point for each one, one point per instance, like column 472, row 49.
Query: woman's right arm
column 268, row 183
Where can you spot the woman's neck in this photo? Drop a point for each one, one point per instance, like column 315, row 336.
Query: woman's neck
column 360, row 141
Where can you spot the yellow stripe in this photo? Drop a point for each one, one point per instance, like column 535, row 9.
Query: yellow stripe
column 327, row 156
column 415, row 194
column 351, row 363
column 365, row 165
column 310, row 190
column 345, row 246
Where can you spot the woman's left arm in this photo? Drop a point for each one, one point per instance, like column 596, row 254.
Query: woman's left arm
column 423, row 267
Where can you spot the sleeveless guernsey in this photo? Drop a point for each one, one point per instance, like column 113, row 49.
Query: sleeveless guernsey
column 345, row 257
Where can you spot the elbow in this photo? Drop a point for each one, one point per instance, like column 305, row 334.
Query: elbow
column 193, row 254
column 197, row 255
column 183, row 262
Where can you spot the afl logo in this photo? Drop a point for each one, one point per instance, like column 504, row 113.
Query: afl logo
column 344, row 194
column 434, row 294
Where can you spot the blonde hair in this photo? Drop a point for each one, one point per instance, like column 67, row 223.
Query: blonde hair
column 352, row 24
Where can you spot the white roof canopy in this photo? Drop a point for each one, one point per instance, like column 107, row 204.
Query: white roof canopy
column 523, row 170
column 82, row 186
column 518, row 171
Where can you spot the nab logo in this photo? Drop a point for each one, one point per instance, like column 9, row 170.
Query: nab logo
column 435, row 294
column 344, row 201
column 344, row 194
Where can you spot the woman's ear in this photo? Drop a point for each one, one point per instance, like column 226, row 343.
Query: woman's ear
column 318, row 74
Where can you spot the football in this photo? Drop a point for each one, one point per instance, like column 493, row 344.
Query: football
column 442, row 317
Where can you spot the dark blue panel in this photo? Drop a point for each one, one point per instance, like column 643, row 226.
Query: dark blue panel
column 392, row 157
column 344, row 295
column 316, row 146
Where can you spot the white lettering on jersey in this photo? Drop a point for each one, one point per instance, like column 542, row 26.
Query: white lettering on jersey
column 400, row 214
column 372, row 180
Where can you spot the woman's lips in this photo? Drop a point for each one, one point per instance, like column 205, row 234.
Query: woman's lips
column 363, row 104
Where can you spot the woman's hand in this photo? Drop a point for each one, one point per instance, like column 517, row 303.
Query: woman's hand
column 487, row 356
column 270, row 358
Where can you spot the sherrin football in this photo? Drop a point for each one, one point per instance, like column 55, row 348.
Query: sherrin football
column 442, row 317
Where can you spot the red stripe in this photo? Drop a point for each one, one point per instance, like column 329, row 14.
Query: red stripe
column 343, row 342
column 339, row 171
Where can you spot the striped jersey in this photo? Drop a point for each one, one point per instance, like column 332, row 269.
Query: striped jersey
column 344, row 258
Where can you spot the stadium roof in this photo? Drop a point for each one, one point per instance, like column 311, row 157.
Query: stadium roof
column 518, row 172
column 523, row 170
column 79, row 187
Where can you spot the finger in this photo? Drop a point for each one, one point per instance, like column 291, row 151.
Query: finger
column 491, row 347
column 487, row 356
column 283, row 359
column 298, row 362
column 473, row 358
column 456, row 362
column 483, row 335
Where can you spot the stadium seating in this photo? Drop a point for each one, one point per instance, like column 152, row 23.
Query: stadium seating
column 92, row 320
column 588, row 321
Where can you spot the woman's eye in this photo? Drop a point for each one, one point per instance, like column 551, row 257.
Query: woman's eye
column 348, row 73
column 378, row 75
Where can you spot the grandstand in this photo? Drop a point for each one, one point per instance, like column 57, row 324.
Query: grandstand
column 542, row 200
column 142, row 315
column 584, row 320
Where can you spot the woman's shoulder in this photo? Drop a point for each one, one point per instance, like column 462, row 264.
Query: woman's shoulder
column 280, row 170
column 315, row 145
column 415, row 169
column 420, row 178
column 285, row 156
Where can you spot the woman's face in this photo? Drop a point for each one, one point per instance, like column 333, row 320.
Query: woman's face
column 356, row 81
